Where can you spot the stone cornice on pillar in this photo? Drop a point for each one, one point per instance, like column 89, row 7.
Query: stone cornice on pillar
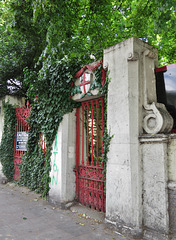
column 157, row 138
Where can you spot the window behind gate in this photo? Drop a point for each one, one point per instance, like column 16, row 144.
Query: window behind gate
column 89, row 151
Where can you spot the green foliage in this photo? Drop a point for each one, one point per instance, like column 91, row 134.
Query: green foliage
column 19, row 47
column 15, row 54
column 91, row 26
column 106, row 135
column 53, row 90
column 75, row 90
column 106, row 144
column 7, row 141
column 98, row 78
column 32, row 30
column 32, row 170
column 52, row 103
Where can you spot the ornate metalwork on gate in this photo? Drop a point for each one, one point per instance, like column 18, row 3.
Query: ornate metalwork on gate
column 89, row 151
column 21, row 136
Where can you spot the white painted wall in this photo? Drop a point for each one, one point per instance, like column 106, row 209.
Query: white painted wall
column 63, row 161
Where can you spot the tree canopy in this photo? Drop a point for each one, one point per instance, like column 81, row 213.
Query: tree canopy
column 34, row 33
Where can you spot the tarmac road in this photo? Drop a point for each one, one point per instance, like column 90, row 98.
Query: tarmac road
column 25, row 216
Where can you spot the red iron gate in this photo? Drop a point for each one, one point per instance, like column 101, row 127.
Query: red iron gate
column 21, row 136
column 89, row 151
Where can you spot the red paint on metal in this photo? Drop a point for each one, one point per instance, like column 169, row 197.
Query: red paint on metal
column 87, row 139
column 165, row 68
column 103, row 78
column 89, row 172
column 83, row 134
column 102, row 106
column 91, row 68
column 92, row 109
column 22, row 113
column 97, row 107
column 161, row 69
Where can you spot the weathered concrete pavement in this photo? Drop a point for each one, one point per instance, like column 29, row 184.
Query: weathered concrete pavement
column 25, row 216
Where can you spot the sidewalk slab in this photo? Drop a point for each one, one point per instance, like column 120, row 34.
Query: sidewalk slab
column 24, row 215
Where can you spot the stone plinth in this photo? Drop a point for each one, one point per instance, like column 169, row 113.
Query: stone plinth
column 155, row 192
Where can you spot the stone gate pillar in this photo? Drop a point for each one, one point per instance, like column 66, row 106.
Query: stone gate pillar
column 133, row 111
column 63, row 180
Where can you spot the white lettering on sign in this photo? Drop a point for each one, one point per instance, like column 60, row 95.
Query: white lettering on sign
column 21, row 141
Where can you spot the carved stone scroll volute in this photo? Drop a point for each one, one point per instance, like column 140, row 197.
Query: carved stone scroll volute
column 156, row 117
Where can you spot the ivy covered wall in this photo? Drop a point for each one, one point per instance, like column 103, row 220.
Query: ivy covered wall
column 50, row 102
column 7, row 141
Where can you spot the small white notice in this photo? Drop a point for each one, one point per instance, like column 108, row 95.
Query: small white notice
column 21, row 141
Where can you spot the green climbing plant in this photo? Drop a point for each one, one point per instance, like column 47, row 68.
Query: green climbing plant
column 52, row 102
column 7, row 141
column 103, row 91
